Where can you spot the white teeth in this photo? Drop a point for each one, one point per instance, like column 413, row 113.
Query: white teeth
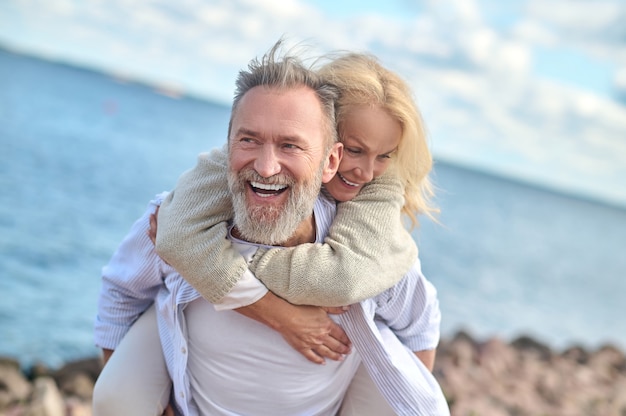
column 347, row 181
column 267, row 186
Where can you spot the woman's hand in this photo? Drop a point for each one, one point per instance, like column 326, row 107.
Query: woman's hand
column 153, row 226
column 308, row 329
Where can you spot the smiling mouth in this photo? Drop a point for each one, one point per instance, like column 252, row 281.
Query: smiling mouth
column 347, row 182
column 265, row 190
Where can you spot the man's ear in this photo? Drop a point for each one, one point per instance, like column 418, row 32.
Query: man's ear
column 332, row 162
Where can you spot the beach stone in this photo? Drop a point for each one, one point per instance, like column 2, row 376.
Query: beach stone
column 462, row 350
column 528, row 344
column 608, row 362
column 77, row 407
column 46, row 400
column 77, row 378
column 619, row 397
column 496, row 357
column 576, row 353
column 14, row 387
column 38, row 370
column 479, row 405
column 90, row 367
column 78, row 385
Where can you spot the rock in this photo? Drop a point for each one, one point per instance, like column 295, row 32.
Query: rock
column 14, row 387
column 497, row 357
column 462, row 350
column 78, row 385
column 577, row 354
column 47, row 400
column 609, row 361
column 525, row 377
column 528, row 344
column 77, row 407
column 90, row 367
column 38, row 370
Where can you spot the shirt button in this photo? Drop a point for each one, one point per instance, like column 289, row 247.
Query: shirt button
column 183, row 350
column 182, row 394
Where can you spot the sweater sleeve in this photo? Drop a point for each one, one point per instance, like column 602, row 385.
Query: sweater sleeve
column 367, row 251
column 192, row 228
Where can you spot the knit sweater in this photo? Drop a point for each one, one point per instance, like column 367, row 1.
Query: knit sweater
column 367, row 250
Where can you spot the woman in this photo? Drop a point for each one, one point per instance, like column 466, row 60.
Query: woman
column 381, row 130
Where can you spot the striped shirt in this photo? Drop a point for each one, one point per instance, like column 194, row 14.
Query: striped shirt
column 402, row 319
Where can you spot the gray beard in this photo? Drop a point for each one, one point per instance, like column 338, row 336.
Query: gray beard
column 272, row 225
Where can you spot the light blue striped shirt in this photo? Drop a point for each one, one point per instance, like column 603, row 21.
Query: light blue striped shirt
column 136, row 276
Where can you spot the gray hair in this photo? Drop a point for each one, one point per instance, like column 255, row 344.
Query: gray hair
column 286, row 71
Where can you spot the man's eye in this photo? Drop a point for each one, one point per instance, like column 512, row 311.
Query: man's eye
column 290, row 146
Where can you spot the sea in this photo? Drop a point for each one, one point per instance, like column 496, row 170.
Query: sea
column 82, row 153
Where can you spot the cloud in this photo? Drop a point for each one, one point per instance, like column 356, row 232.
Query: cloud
column 472, row 64
column 595, row 28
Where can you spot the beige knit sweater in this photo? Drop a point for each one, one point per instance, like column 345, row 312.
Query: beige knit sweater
column 367, row 249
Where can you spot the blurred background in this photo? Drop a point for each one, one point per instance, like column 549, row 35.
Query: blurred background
column 104, row 103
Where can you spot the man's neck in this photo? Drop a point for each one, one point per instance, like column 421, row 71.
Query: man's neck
column 305, row 233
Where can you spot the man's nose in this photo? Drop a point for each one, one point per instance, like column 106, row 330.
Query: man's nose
column 267, row 163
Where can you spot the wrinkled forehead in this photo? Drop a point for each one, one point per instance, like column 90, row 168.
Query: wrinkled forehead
column 279, row 113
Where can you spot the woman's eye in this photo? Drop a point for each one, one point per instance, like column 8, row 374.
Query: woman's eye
column 353, row 150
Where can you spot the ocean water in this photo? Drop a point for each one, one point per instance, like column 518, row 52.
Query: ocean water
column 81, row 154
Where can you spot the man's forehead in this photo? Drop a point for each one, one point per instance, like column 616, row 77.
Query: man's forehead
column 285, row 113
column 276, row 91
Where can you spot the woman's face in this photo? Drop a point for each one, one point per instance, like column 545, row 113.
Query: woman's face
column 370, row 136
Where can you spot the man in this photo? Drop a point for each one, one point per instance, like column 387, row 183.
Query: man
column 282, row 146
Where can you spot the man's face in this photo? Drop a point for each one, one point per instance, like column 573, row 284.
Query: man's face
column 277, row 162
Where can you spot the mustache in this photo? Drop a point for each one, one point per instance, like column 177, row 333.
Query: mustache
column 250, row 175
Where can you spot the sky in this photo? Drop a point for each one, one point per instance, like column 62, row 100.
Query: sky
column 531, row 89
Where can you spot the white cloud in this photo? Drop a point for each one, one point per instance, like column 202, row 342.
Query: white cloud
column 473, row 80
column 595, row 27
column 534, row 32
column 579, row 18
column 620, row 79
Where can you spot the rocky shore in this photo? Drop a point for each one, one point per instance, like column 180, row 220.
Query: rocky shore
column 479, row 378
column 526, row 378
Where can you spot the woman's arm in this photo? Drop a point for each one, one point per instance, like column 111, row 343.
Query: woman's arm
column 367, row 251
column 192, row 228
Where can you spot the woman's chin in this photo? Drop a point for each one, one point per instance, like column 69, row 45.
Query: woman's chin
column 342, row 195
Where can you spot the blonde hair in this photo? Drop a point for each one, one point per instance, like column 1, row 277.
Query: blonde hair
column 362, row 80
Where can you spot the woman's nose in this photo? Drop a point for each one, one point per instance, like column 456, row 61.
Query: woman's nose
column 366, row 171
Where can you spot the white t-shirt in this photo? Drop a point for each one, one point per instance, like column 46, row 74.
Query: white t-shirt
column 239, row 364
